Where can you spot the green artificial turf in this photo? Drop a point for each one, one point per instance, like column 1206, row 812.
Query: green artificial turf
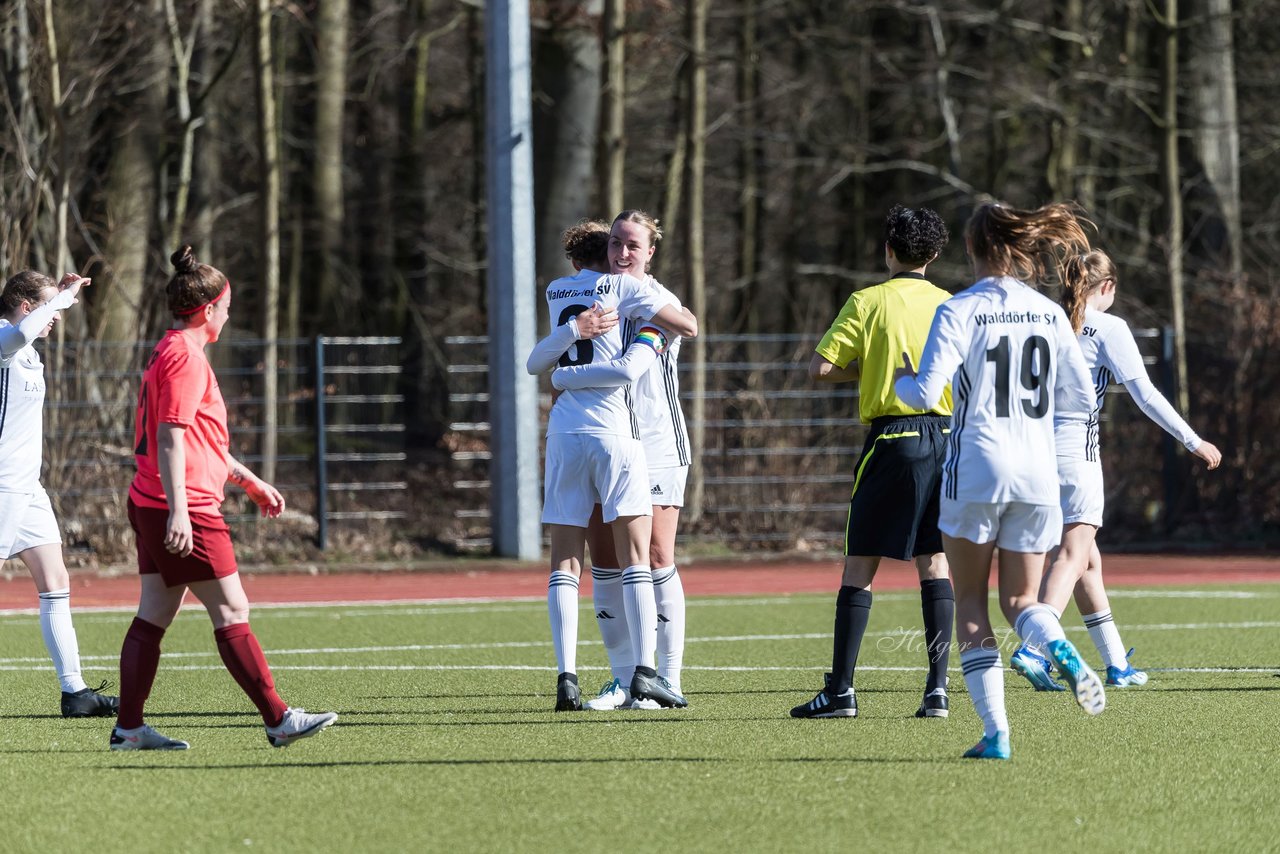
column 446, row 741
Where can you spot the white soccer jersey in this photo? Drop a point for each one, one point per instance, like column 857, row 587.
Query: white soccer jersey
column 1011, row 359
column 659, row 416
column 1111, row 355
column 601, row 410
column 21, row 419
column 655, row 389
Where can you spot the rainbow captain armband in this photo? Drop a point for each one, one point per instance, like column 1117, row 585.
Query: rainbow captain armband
column 653, row 336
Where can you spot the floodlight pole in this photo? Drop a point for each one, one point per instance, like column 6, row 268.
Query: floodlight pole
column 514, row 502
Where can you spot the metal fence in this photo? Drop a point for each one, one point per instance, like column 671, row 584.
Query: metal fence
column 778, row 461
column 338, row 462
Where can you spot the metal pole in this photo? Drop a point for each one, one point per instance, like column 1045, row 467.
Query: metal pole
column 322, row 451
column 515, row 505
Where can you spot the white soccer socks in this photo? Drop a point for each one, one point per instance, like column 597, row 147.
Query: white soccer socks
column 60, row 638
column 611, row 617
column 668, row 595
column 1038, row 626
column 642, row 613
column 562, row 608
column 1106, row 637
column 984, row 677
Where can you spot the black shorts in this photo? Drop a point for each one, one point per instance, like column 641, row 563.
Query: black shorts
column 893, row 511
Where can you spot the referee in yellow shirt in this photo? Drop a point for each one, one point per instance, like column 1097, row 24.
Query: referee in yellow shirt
column 893, row 511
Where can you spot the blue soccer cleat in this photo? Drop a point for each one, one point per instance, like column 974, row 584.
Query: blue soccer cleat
column 1035, row 668
column 1083, row 681
column 990, row 747
column 1129, row 677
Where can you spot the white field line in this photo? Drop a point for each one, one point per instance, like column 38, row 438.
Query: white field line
column 543, row 668
column 901, row 640
column 498, row 605
column 419, row 607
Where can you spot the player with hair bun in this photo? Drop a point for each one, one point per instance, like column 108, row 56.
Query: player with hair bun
column 1111, row 354
column 594, row 458
column 650, row 372
column 1012, row 361
column 29, row 307
column 181, row 446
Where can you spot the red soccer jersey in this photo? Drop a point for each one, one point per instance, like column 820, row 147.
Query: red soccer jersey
column 178, row 387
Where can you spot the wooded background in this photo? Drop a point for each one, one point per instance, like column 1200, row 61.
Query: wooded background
column 328, row 156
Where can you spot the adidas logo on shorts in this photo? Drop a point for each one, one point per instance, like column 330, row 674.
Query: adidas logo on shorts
column 657, row 490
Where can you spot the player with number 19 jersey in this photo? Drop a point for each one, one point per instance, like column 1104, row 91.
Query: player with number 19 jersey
column 1012, row 359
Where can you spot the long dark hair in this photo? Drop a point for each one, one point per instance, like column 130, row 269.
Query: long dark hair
column 1027, row 245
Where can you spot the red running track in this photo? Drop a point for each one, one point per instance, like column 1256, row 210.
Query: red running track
column 703, row 578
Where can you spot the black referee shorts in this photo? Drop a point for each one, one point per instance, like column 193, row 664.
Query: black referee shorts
column 893, row 511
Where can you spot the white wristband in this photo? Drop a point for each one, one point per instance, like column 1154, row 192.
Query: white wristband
column 573, row 325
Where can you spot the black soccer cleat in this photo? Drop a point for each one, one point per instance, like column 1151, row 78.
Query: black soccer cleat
column 934, row 704
column 651, row 686
column 828, row 705
column 88, row 703
column 568, row 695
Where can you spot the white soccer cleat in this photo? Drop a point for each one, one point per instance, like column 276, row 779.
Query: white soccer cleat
column 298, row 724
column 611, row 697
column 1088, row 689
column 144, row 738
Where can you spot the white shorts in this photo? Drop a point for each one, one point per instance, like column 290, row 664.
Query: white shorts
column 26, row 521
column 1015, row 526
column 1080, row 489
column 666, row 486
column 585, row 469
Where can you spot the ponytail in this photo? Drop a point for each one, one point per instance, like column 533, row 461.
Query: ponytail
column 1081, row 276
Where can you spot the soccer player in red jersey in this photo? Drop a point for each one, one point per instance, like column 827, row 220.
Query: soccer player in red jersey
column 183, row 458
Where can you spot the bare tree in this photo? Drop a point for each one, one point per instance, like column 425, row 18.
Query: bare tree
column 613, row 141
column 1216, row 130
column 695, row 265
column 566, row 85
column 1173, row 200
column 331, row 94
column 269, row 210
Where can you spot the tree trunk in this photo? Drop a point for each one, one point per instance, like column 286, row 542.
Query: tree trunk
column 1173, row 199
column 695, row 270
column 674, row 183
column 331, row 90
column 1216, row 135
column 747, row 315
column 207, row 171
column 613, row 128
column 62, row 255
column 269, row 207
column 566, row 84
column 1064, row 130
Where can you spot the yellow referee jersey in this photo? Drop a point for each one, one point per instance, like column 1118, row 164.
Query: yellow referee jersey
column 876, row 326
